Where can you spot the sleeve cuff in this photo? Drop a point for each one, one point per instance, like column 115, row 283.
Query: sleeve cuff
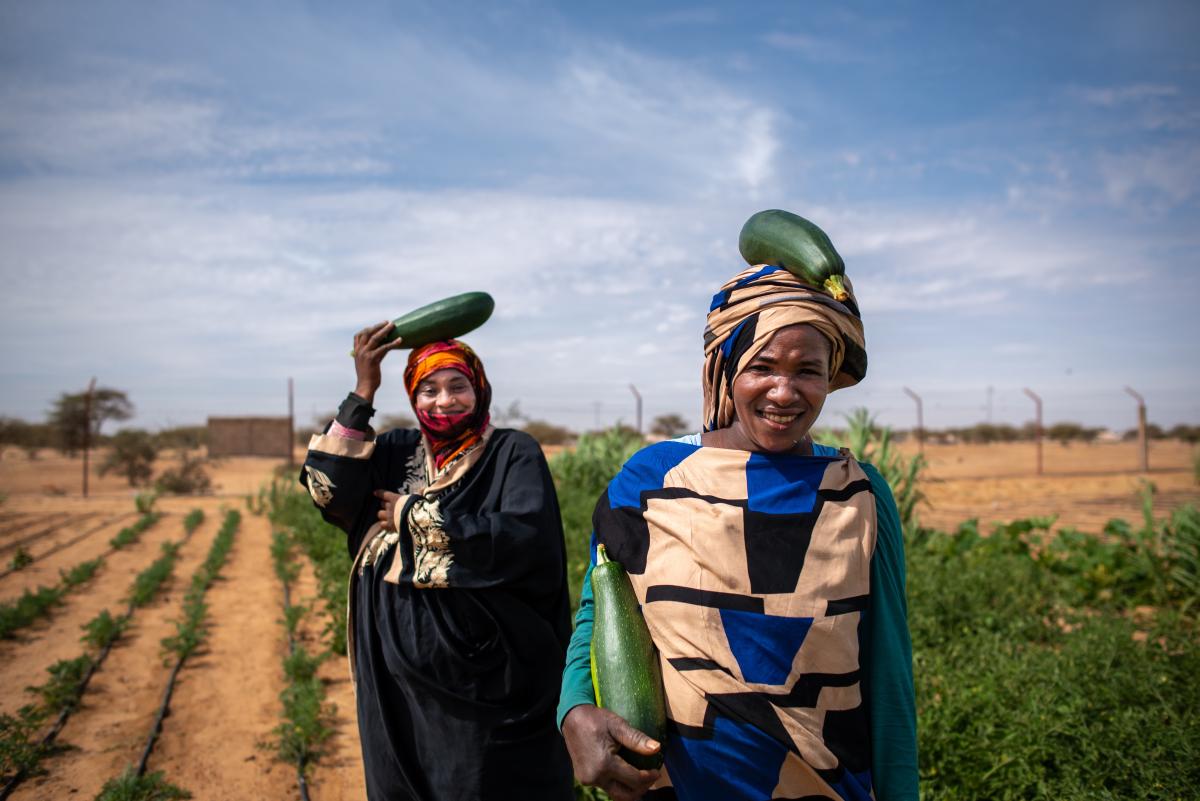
column 355, row 413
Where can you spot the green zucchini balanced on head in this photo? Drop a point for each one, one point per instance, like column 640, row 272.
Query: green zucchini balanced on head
column 626, row 674
column 789, row 241
column 443, row 319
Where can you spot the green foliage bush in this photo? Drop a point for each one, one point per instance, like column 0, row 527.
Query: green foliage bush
column 325, row 547
column 1034, row 679
column 129, row 786
column 132, row 454
column 580, row 476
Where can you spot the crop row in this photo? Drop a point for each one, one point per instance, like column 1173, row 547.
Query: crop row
column 191, row 629
column 307, row 718
column 35, row 604
column 21, row 749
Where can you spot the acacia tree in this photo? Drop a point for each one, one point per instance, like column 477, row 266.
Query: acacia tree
column 76, row 418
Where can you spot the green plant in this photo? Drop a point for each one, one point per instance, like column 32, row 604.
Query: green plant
column 103, row 629
column 129, row 786
column 325, row 547
column 80, row 573
column 61, row 690
column 21, row 559
column 580, row 476
column 32, row 605
column 144, row 502
column 132, row 455
column 874, row 444
column 20, row 746
column 189, row 478
column 130, row 534
column 146, row 583
column 193, row 520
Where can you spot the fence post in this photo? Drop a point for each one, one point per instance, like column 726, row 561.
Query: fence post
column 1143, row 438
column 1037, row 434
column 637, row 395
column 87, row 431
column 920, row 420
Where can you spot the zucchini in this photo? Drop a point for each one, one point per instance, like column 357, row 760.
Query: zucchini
column 443, row 319
column 788, row 240
column 626, row 674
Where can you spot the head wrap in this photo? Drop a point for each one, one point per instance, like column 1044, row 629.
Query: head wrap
column 449, row 435
column 747, row 312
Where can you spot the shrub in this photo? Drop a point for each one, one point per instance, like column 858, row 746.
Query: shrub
column 580, row 475
column 189, row 478
column 132, row 456
column 548, row 433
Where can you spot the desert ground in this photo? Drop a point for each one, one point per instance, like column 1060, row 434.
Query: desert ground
column 226, row 701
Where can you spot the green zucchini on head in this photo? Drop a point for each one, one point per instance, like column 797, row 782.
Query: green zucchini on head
column 447, row 318
column 788, row 240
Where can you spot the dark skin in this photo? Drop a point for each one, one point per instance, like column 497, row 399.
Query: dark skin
column 776, row 398
column 594, row 736
column 370, row 348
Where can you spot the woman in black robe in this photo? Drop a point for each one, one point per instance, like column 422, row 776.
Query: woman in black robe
column 458, row 610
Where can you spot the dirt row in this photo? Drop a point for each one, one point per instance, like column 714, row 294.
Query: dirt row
column 225, row 703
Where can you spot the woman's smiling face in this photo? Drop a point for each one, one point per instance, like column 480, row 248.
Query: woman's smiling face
column 779, row 394
column 445, row 391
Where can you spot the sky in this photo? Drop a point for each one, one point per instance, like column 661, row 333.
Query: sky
column 201, row 200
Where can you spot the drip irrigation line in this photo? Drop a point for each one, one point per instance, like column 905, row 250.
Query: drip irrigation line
column 60, row 546
column 41, row 532
column 301, row 762
column 164, row 708
column 9, row 522
column 65, row 713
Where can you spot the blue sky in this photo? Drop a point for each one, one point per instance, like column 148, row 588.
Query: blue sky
column 201, row 199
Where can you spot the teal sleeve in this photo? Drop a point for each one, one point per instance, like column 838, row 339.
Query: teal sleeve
column 577, row 675
column 887, row 658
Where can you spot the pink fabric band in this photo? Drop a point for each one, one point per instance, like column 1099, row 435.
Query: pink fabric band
column 339, row 430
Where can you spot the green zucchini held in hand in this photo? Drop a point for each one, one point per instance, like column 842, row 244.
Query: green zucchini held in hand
column 443, row 319
column 626, row 675
column 788, row 240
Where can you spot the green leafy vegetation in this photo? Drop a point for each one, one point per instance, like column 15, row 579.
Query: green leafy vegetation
column 147, row 582
column 103, row 629
column 80, row 573
column 20, row 746
column 191, row 628
column 31, row 606
column 21, row 559
column 580, row 475
column 307, row 719
column 131, row 533
column 1048, row 665
column 325, row 547
column 129, row 786
column 131, row 454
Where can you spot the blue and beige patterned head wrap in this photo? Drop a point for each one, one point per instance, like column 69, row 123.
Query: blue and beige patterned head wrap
column 747, row 312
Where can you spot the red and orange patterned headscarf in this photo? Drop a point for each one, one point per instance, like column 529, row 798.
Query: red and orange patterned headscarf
column 449, row 435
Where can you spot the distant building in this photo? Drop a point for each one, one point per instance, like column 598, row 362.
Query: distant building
column 249, row 436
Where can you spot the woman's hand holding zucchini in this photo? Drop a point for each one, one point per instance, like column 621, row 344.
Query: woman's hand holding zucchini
column 370, row 346
column 594, row 739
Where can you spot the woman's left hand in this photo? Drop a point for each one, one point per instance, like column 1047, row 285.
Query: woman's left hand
column 387, row 512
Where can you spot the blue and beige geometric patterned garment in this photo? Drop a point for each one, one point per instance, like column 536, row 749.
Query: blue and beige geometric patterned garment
column 753, row 571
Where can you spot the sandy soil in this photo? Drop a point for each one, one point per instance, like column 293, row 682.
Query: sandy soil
column 226, row 702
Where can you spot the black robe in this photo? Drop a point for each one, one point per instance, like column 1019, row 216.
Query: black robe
column 456, row 683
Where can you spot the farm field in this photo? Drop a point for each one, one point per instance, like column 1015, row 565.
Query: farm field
column 226, row 702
